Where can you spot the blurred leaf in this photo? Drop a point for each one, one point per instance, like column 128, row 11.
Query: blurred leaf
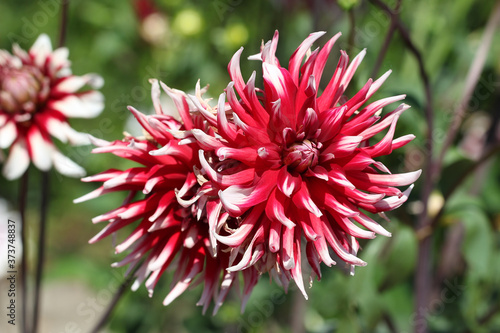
column 347, row 4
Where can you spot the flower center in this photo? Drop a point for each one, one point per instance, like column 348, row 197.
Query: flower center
column 21, row 89
column 301, row 156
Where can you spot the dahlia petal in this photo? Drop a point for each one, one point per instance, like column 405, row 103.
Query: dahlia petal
column 332, row 203
column 182, row 104
column 320, row 243
column 339, row 249
column 369, row 223
column 275, row 209
column 59, row 63
column 237, row 199
column 332, row 92
column 181, row 286
column 318, row 172
column 66, row 166
column 239, row 178
column 287, row 248
column 227, row 130
column 320, row 62
column 303, row 200
column 378, row 83
column 86, row 105
column 393, row 202
column 133, row 237
column 337, row 176
column 213, row 211
column 275, row 236
column 235, row 74
column 8, row 134
column 296, row 270
column 384, row 146
column 288, row 184
column 41, row 49
column 376, row 107
column 252, row 133
column 236, row 106
column 358, row 99
column 386, row 121
column 349, row 73
column 141, row 275
column 269, row 50
column 165, row 201
column 400, row 179
column 331, row 122
column 250, row 278
column 282, row 88
column 352, row 229
column 3, row 120
column 17, row 162
column 155, row 95
column 227, row 281
column 164, row 221
column 313, row 259
column 91, row 195
column 297, row 57
column 402, row 141
column 40, row 149
column 197, row 101
column 343, row 146
column 73, row 83
column 191, row 237
column 250, row 255
column 206, row 141
column 308, row 231
column 359, row 196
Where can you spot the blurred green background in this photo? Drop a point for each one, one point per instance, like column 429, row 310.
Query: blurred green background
column 180, row 42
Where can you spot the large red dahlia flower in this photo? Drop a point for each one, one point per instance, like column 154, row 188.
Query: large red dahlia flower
column 306, row 167
column 38, row 94
column 175, row 208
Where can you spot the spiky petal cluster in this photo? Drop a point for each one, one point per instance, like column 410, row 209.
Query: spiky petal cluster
column 172, row 205
column 251, row 183
column 307, row 170
column 38, row 94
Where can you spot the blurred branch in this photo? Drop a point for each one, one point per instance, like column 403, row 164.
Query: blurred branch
column 471, row 81
column 352, row 30
column 64, row 22
column 45, row 193
column 423, row 275
column 387, row 40
column 487, row 317
column 390, row 324
column 118, row 295
column 298, row 312
column 23, row 192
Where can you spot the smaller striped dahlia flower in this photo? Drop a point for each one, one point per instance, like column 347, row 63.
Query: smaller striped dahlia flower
column 305, row 174
column 173, row 206
column 38, row 94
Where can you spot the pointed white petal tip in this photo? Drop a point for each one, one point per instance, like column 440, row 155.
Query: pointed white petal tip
column 98, row 142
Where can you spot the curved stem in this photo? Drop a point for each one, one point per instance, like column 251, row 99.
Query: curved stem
column 387, row 40
column 23, row 191
column 424, row 270
column 64, row 22
column 41, row 247
column 118, row 295
column 352, row 30
column 471, row 81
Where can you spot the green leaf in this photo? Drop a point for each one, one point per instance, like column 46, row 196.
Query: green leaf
column 348, row 4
